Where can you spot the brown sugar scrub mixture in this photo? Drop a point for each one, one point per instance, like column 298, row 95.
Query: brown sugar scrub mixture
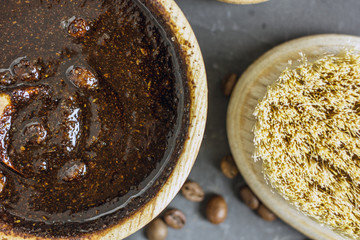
column 93, row 113
column 307, row 135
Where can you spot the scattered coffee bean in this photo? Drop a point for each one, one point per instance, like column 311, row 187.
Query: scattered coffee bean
column 266, row 214
column 216, row 209
column 192, row 191
column 228, row 167
column 249, row 198
column 229, row 84
column 175, row 218
column 156, row 230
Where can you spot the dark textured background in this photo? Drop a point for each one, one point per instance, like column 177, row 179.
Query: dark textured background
column 231, row 38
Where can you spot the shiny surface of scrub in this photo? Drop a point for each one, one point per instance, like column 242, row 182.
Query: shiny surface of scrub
column 93, row 108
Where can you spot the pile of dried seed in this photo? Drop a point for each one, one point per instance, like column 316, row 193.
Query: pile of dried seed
column 307, row 135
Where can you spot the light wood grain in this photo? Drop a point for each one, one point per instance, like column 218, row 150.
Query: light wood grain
column 198, row 113
column 240, row 120
column 243, row 2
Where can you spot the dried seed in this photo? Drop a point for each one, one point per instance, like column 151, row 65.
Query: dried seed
column 307, row 136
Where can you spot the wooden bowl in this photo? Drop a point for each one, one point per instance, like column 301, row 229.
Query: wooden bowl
column 175, row 20
column 243, row 2
column 240, row 121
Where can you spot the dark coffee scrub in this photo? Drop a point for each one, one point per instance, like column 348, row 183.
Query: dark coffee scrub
column 94, row 110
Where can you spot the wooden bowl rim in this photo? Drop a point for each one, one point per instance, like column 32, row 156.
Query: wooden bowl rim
column 269, row 63
column 243, row 2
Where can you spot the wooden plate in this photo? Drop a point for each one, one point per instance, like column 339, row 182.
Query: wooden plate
column 240, row 121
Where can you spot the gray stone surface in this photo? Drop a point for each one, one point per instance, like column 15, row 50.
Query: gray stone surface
column 231, row 38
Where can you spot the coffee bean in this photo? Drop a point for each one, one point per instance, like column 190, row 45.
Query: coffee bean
column 192, row 191
column 156, row 230
column 175, row 218
column 229, row 84
column 228, row 167
column 216, row 209
column 266, row 214
column 249, row 198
